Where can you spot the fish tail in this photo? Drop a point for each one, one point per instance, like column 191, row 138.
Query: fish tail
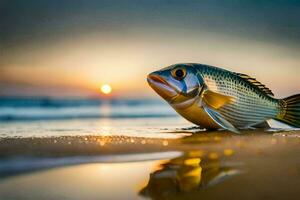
column 289, row 111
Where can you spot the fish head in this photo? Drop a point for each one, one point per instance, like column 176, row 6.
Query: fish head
column 178, row 84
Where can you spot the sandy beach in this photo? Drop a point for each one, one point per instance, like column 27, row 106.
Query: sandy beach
column 188, row 165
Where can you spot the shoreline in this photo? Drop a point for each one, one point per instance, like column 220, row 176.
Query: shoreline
column 107, row 145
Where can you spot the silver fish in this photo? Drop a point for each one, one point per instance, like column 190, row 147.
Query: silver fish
column 215, row 98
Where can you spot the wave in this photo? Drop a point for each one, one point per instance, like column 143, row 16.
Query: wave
column 45, row 102
column 57, row 109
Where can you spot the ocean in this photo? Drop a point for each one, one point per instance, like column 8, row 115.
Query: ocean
column 46, row 117
column 21, row 109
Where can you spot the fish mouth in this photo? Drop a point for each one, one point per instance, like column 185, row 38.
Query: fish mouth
column 161, row 86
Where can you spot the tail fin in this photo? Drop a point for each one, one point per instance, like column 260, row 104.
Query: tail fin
column 290, row 110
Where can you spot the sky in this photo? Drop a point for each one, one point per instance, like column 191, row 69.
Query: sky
column 70, row 48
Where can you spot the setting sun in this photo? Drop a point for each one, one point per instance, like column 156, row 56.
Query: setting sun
column 106, row 89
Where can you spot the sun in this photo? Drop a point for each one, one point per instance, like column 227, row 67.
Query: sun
column 106, row 89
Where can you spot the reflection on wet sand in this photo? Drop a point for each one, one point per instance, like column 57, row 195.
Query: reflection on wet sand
column 201, row 166
column 192, row 171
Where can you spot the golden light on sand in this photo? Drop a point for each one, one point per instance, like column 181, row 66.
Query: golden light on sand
column 106, row 89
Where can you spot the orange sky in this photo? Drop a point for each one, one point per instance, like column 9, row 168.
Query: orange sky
column 78, row 61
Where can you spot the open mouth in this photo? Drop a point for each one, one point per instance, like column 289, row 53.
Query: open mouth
column 161, row 86
column 157, row 79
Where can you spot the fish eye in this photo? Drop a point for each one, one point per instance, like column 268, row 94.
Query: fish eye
column 179, row 73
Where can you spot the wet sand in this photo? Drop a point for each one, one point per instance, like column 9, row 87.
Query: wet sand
column 210, row 165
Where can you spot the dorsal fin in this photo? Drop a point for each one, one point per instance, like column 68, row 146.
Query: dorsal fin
column 256, row 83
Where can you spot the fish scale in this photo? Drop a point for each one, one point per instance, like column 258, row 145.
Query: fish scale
column 246, row 97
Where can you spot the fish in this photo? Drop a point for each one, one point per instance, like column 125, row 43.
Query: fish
column 215, row 98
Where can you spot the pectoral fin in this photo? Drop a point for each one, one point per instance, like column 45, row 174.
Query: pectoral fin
column 215, row 100
column 220, row 120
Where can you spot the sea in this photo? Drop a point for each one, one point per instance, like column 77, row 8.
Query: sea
column 42, row 116
column 43, row 108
